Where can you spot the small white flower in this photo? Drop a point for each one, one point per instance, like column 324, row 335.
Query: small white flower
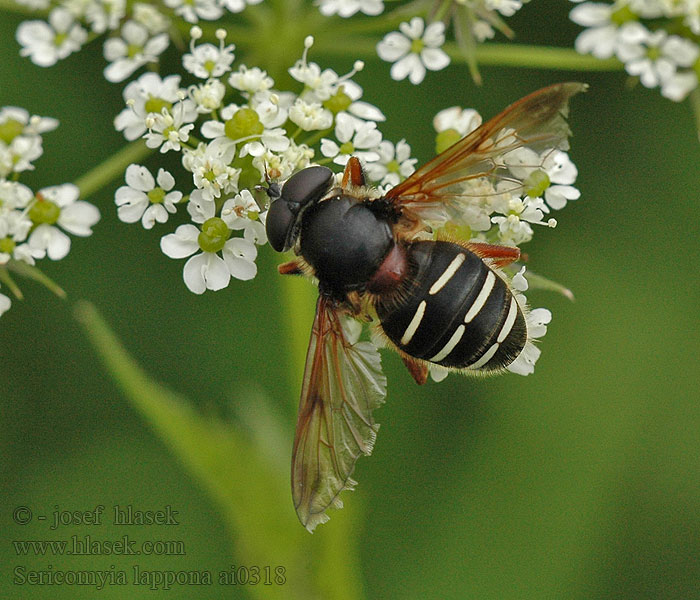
column 242, row 212
column 16, row 121
column 193, row 10
column 310, row 116
column 46, row 43
column 59, row 206
column 414, row 49
column 236, row 6
column 148, row 95
column 167, row 130
column 250, row 80
column 601, row 36
column 514, row 228
column 461, row 120
column 519, row 282
column 536, row 321
column 208, row 270
column 206, row 60
column 394, row 163
column 150, row 17
column 134, row 49
column 14, row 228
column 14, row 195
column 360, row 139
column 506, row 7
column 211, row 171
column 19, row 154
column 347, row 8
column 655, row 57
column 142, row 199
column 105, row 16
column 208, row 95
column 562, row 173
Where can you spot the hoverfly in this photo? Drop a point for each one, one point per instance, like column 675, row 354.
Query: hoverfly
column 434, row 301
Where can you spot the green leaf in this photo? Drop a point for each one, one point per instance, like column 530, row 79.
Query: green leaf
column 243, row 473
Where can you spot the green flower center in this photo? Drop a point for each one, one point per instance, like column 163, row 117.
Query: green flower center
column 156, row 105
column 347, row 148
column 393, row 166
column 338, row 102
column 44, row 211
column 536, row 183
column 214, row 234
column 209, row 66
column 156, row 195
column 243, row 124
column 653, row 53
column 59, row 39
column 133, row 50
column 9, row 130
column 417, row 46
column 7, row 245
column 622, row 15
column 445, row 139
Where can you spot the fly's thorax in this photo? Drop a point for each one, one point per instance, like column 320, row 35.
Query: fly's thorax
column 344, row 241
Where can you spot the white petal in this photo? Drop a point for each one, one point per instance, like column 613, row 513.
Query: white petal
column 434, row 58
column 78, row 218
column 182, row 243
column 139, row 178
column 165, row 180
column 393, row 46
column 52, row 240
column 206, row 271
column 5, row 303
column 154, row 213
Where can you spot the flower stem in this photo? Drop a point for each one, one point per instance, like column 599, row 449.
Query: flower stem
column 492, row 54
column 112, row 168
column 33, row 272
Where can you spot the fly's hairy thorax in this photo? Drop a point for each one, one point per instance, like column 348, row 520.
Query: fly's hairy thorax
column 345, row 242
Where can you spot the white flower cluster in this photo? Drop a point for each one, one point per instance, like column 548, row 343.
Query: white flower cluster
column 493, row 210
column 32, row 225
column 138, row 31
column 655, row 39
column 497, row 213
column 246, row 132
column 417, row 46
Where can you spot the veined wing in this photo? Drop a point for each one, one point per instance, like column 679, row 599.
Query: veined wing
column 499, row 157
column 343, row 383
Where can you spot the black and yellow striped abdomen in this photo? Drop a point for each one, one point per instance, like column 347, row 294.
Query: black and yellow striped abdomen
column 454, row 310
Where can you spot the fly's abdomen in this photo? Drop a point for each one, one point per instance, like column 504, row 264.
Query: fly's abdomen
column 454, row 310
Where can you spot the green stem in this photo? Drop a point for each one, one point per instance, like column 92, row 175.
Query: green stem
column 112, row 168
column 298, row 300
column 492, row 54
column 32, row 272
column 6, row 278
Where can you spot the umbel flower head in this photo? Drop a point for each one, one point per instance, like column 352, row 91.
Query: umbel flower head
column 656, row 40
column 34, row 225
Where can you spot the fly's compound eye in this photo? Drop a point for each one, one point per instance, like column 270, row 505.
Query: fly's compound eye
column 301, row 189
column 279, row 224
column 307, row 185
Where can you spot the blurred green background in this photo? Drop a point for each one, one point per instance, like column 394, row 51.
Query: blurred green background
column 581, row 481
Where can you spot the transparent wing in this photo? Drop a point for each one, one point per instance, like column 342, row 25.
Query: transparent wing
column 503, row 156
column 343, row 383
